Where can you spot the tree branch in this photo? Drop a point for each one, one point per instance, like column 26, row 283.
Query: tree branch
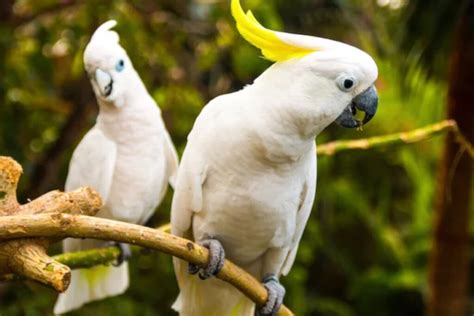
column 413, row 136
column 93, row 257
column 80, row 226
column 27, row 257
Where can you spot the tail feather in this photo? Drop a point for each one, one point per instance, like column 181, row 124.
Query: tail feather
column 92, row 284
column 211, row 297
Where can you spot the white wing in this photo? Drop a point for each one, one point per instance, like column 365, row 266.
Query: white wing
column 92, row 163
column 192, row 173
column 187, row 198
column 308, row 194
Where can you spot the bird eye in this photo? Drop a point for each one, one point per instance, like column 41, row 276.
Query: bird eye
column 346, row 83
column 120, row 65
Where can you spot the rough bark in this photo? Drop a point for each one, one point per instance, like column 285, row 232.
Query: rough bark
column 449, row 260
column 27, row 257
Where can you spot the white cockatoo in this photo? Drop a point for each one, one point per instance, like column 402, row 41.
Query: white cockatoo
column 128, row 157
column 247, row 179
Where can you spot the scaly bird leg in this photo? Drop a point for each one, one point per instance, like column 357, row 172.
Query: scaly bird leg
column 276, row 293
column 216, row 260
column 125, row 253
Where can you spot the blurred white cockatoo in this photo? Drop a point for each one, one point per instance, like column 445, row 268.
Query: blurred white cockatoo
column 247, row 178
column 128, row 157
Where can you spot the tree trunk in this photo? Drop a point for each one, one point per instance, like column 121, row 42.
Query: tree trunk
column 449, row 260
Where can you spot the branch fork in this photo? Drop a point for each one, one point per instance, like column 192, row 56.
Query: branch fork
column 28, row 256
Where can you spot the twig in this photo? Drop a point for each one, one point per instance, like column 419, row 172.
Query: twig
column 80, row 226
column 398, row 138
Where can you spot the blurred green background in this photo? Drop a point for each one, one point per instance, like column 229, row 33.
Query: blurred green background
column 365, row 249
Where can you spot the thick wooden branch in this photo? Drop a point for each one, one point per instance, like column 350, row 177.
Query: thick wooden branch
column 83, row 201
column 79, row 226
column 28, row 257
column 10, row 172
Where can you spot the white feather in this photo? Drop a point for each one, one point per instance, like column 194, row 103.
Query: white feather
column 94, row 148
column 304, row 211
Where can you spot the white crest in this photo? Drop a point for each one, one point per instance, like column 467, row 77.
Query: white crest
column 104, row 34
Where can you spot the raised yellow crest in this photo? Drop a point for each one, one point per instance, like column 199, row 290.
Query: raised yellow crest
column 273, row 47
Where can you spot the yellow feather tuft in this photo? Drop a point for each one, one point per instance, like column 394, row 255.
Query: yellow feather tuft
column 272, row 47
column 95, row 274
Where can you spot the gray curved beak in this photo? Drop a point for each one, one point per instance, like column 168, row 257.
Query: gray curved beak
column 104, row 82
column 366, row 102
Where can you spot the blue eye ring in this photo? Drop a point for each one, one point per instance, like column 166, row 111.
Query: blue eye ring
column 120, row 65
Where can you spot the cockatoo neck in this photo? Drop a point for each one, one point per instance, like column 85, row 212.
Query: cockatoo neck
column 294, row 100
column 132, row 114
column 137, row 115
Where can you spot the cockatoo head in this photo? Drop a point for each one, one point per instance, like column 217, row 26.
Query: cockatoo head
column 336, row 79
column 108, row 66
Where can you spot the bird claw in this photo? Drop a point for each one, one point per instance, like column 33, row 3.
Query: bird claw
column 276, row 293
column 125, row 253
column 216, row 260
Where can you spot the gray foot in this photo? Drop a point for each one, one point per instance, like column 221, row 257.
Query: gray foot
column 125, row 253
column 276, row 293
column 216, row 260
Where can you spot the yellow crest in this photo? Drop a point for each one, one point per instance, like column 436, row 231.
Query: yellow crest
column 273, row 48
